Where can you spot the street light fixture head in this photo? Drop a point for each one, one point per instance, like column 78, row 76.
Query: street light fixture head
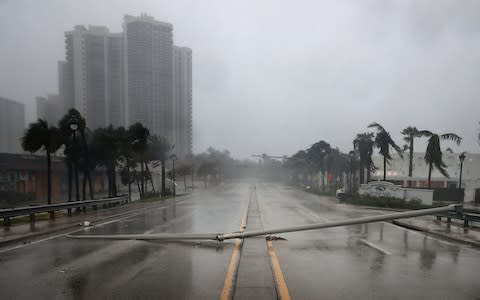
column 73, row 123
column 462, row 156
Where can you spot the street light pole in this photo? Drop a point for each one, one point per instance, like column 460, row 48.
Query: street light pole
column 174, row 157
column 462, row 158
column 351, row 154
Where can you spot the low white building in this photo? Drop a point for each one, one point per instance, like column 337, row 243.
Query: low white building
column 397, row 171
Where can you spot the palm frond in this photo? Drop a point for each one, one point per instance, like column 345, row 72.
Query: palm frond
column 376, row 126
column 452, row 137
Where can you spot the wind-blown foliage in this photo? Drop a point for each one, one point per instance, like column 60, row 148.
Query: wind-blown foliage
column 433, row 154
column 363, row 145
column 409, row 135
column 383, row 141
column 40, row 136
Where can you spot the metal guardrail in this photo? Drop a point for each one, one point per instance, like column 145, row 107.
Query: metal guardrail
column 8, row 213
column 466, row 215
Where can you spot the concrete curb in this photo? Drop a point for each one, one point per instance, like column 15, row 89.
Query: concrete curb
column 436, row 233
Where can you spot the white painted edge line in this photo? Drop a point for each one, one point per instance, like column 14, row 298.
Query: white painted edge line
column 128, row 216
column 363, row 241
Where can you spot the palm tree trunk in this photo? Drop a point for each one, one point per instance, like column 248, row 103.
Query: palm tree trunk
column 129, row 181
column 142, row 178
column 49, row 178
column 362, row 172
column 84, row 187
column 70, row 179
column 410, row 166
column 151, row 178
column 384, row 169
column 87, row 164
column 114, row 180
column 429, row 174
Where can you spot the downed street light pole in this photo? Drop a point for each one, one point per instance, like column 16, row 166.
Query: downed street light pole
column 246, row 234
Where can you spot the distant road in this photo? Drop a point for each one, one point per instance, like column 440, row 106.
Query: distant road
column 375, row 261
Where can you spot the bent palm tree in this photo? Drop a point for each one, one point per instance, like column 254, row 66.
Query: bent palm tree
column 384, row 141
column 433, row 154
column 363, row 144
column 39, row 136
column 409, row 135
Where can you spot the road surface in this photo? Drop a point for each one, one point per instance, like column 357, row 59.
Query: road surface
column 375, row 261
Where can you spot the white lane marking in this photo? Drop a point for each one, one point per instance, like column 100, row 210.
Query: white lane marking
column 363, row 241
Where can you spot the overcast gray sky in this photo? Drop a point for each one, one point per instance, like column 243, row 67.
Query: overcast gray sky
column 276, row 76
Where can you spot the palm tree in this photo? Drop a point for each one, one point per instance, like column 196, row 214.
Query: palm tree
column 433, row 154
column 139, row 136
column 72, row 150
column 363, row 144
column 159, row 149
column 40, row 136
column 409, row 134
column 384, row 141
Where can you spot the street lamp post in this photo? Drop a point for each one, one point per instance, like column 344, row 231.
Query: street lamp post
column 462, row 158
column 351, row 154
column 174, row 188
column 74, row 127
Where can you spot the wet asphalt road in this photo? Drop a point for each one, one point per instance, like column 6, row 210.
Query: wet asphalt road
column 378, row 261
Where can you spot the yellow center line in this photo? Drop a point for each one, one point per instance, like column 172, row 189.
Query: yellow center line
column 234, row 260
column 277, row 271
column 282, row 288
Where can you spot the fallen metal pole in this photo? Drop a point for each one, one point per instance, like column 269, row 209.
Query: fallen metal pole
column 246, row 234
column 152, row 236
column 363, row 220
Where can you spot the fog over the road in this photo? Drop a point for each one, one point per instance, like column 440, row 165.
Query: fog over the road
column 276, row 76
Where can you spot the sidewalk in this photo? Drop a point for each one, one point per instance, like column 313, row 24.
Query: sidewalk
column 25, row 232
column 452, row 231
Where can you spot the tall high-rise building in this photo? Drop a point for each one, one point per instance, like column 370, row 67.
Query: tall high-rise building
column 12, row 125
column 49, row 109
column 148, row 59
column 92, row 75
column 182, row 72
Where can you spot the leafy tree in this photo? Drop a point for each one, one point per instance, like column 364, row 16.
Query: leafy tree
column 40, row 136
column 318, row 155
column 384, row 141
column 106, row 145
column 433, row 154
column 184, row 170
column 409, row 135
column 363, row 144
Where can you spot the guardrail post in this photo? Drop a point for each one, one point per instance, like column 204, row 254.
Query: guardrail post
column 52, row 215
column 32, row 218
column 465, row 222
column 69, row 212
column 94, row 207
column 6, row 221
column 439, row 218
column 449, row 220
column 84, row 209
